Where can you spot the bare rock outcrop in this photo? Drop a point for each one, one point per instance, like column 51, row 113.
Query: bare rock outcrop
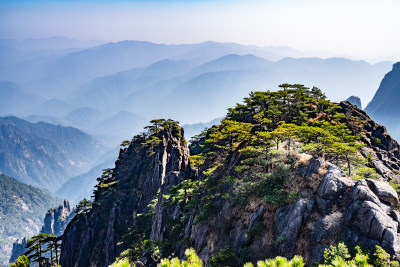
column 57, row 219
column 143, row 172
column 288, row 221
column 332, row 189
column 18, row 249
column 371, row 214
column 361, row 213
column 383, row 149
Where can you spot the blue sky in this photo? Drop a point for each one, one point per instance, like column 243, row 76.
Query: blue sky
column 359, row 28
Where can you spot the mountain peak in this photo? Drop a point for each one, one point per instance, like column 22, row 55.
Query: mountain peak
column 396, row 66
column 355, row 100
column 384, row 107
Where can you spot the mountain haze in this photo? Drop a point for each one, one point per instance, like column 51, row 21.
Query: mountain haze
column 189, row 82
column 43, row 154
column 13, row 99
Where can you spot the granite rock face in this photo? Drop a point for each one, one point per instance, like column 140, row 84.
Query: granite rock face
column 143, row 173
column 371, row 216
column 331, row 190
column 57, row 219
column 287, row 223
column 361, row 213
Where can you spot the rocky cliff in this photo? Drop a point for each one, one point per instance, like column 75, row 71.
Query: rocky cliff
column 18, row 249
column 141, row 173
column 234, row 196
column 57, row 219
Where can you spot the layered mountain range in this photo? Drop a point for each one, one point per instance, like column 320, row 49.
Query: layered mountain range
column 144, row 80
column 43, row 154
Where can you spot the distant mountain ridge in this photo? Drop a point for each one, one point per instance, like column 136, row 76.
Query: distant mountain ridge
column 43, row 154
column 355, row 100
column 189, row 82
column 59, row 74
column 221, row 83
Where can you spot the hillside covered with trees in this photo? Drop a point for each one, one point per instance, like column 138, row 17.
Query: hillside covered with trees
column 285, row 173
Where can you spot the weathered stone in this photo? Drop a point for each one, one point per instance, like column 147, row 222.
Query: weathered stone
column 320, row 231
column 384, row 192
column 361, row 191
column 18, row 249
column 54, row 223
column 57, row 219
column 308, row 211
column 332, row 188
column 142, row 173
column 318, row 254
column 287, row 223
column 145, row 260
column 374, row 221
column 326, row 226
column 386, row 153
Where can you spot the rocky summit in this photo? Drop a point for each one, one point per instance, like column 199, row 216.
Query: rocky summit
column 276, row 178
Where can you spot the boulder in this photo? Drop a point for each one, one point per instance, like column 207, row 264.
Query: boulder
column 370, row 216
column 384, row 192
column 332, row 189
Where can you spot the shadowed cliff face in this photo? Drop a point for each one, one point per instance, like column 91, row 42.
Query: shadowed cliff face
column 91, row 239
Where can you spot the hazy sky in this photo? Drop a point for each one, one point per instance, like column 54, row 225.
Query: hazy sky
column 356, row 28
